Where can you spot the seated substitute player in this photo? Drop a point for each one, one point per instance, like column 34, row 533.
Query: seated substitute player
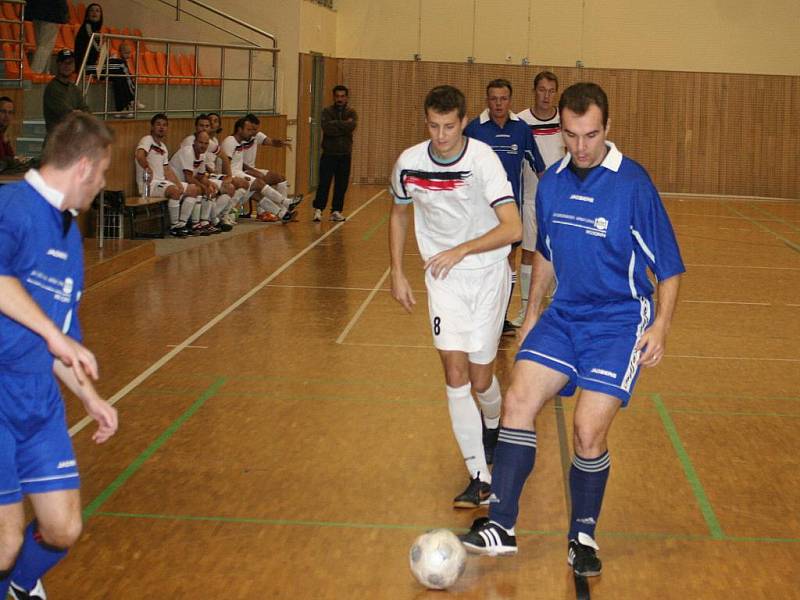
column 601, row 226
column 152, row 157
column 233, row 147
column 189, row 164
column 465, row 220
column 511, row 140
column 275, row 185
column 41, row 282
column 545, row 126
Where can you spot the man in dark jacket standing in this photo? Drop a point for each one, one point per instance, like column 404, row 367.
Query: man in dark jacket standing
column 338, row 124
column 46, row 15
column 61, row 96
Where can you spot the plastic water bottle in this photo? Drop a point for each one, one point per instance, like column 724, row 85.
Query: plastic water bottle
column 146, row 177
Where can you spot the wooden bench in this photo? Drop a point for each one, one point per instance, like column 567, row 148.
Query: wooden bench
column 139, row 210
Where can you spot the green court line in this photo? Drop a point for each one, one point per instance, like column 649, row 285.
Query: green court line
column 416, row 527
column 688, row 469
column 150, row 450
column 774, row 217
column 375, row 228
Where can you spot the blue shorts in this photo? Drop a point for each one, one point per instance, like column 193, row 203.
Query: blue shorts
column 36, row 452
column 593, row 345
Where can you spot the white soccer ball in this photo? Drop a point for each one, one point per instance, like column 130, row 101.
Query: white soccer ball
column 437, row 559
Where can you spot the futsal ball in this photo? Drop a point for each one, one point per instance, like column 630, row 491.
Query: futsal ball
column 437, row 559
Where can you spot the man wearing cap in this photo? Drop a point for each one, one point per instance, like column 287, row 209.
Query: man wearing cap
column 62, row 96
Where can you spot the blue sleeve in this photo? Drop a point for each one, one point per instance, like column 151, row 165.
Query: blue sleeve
column 471, row 130
column 532, row 154
column 10, row 241
column 541, row 225
column 652, row 231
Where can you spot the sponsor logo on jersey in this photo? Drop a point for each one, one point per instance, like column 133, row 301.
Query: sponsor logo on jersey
column 68, row 286
column 59, row 254
column 601, row 223
column 434, row 181
column 604, row 372
column 66, row 464
column 582, row 198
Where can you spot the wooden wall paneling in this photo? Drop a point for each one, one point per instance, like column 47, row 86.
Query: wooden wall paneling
column 705, row 133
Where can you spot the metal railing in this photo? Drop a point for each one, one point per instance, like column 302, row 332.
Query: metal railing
column 167, row 80
column 20, row 43
column 228, row 17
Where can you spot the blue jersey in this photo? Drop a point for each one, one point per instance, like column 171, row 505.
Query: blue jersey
column 48, row 263
column 601, row 234
column 512, row 143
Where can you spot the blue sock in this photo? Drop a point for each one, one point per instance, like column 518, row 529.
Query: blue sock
column 514, row 458
column 5, row 581
column 35, row 559
column 587, row 484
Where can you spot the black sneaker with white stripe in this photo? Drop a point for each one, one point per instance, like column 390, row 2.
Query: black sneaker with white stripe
column 487, row 537
column 582, row 556
column 37, row 593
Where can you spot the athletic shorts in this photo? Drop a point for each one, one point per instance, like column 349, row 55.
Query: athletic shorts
column 216, row 181
column 248, row 178
column 158, row 187
column 35, row 448
column 467, row 309
column 529, row 225
column 593, row 345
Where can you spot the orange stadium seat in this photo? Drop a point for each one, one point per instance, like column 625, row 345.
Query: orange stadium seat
column 175, row 69
column 80, row 10
column 30, row 36
column 9, row 12
column 73, row 14
column 10, row 51
column 148, row 68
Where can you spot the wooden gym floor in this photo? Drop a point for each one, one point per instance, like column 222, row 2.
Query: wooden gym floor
column 284, row 431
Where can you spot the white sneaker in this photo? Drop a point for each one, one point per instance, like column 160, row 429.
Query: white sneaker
column 317, row 215
column 337, row 216
column 37, row 593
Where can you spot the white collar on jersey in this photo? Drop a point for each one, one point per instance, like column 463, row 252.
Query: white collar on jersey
column 612, row 161
column 53, row 196
column 485, row 116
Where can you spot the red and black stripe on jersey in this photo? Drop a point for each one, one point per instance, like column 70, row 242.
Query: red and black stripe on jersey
column 545, row 129
column 157, row 149
column 197, row 162
column 433, row 180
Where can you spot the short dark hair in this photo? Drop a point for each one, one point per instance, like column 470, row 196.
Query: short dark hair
column 76, row 136
column 444, row 99
column 201, row 117
column 238, row 125
column 341, row 88
column 158, row 116
column 251, row 118
column 500, row 83
column 6, row 99
column 219, row 118
column 580, row 96
column 549, row 75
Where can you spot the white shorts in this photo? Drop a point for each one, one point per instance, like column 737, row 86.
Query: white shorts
column 158, row 187
column 467, row 310
column 248, row 178
column 216, row 181
column 529, row 225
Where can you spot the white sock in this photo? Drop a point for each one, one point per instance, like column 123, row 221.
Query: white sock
column 196, row 210
column 187, row 207
column 205, row 208
column 283, row 190
column 174, row 208
column 490, row 402
column 270, row 192
column 220, row 206
column 525, row 272
column 267, row 205
column 466, row 422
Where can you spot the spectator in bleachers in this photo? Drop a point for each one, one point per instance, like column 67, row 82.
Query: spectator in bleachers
column 122, row 85
column 46, row 15
column 152, row 158
column 6, row 149
column 61, row 96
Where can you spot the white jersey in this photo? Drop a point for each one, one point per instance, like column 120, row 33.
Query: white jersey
column 234, row 150
column 157, row 157
column 251, row 148
column 211, row 153
column 185, row 160
column 453, row 203
column 547, row 136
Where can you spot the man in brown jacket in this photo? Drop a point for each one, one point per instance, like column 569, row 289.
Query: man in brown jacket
column 338, row 124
